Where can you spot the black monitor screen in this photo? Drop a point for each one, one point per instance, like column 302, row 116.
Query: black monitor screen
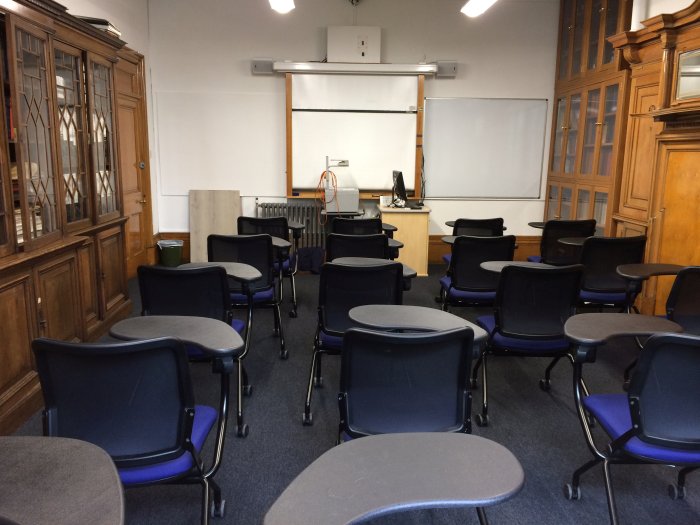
column 399, row 187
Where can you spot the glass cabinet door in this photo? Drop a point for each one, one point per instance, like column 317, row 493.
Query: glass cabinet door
column 552, row 202
column 608, row 131
column 600, row 211
column 566, row 209
column 572, row 133
column 559, row 129
column 33, row 153
column 612, row 16
column 565, row 35
column 583, row 203
column 590, row 131
column 70, row 109
column 594, row 34
column 102, row 134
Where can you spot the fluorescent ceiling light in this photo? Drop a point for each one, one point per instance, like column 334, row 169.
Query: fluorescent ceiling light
column 282, row 6
column 356, row 68
column 476, row 7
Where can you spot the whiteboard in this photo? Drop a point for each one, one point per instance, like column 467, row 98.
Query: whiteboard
column 484, row 148
column 368, row 120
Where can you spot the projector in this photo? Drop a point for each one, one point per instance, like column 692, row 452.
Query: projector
column 342, row 200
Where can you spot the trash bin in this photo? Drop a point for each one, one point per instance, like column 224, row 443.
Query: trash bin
column 170, row 252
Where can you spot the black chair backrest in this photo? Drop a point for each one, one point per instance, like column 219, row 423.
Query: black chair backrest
column 133, row 399
column 274, row 226
column 601, row 256
column 357, row 226
column 405, row 382
column 479, row 227
column 683, row 303
column 255, row 250
column 534, row 303
column 467, row 255
column 342, row 287
column 341, row 245
column 184, row 291
column 554, row 252
column 664, row 392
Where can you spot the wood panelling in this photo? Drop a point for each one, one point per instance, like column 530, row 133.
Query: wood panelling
column 58, row 300
column 87, row 264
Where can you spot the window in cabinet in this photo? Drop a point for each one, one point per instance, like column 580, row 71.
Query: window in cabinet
column 577, row 51
column 611, row 18
column 594, row 33
column 590, row 131
column 565, row 38
column 71, row 124
column 33, row 152
column 608, row 131
column 559, row 129
column 559, row 201
column 583, row 204
column 600, row 211
column 572, row 133
column 101, row 129
column 553, row 202
column 565, row 210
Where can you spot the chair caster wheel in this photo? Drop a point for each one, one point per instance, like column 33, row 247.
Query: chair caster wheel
column 572, row 493
column 242, row 430
column 284, row 355
column 293, row 314
column 676, row 492
column 545, row 385
column 247, row 390
column 307, row 419
column 218, row 511
column 482, row 420
column 318, row 382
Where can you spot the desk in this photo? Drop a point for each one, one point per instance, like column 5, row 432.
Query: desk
column 418, row 318
column 497, row 266
column 378, row 475
column 58, row 481
column 536, row 224
column 412, row 231
column 636, row 274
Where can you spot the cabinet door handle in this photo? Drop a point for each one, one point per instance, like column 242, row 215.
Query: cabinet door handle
column 142, row 201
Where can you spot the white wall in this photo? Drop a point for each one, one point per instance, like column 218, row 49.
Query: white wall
column 233, row 133
column 643, row 9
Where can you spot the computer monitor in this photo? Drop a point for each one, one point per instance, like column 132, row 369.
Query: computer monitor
column 399, row 190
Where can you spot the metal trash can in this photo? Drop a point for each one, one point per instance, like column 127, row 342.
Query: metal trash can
column 170, row 252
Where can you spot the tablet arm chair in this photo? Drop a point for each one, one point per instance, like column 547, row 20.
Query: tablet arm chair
column 364, row 226
column 466, row 283
column 556, row 253
column 405, row 382
column 134, row 400
column 341, row 288
column 683, row 304
column 655, row 422
column 476, row 228
column 532, row 305
column 600, row 257
column 256, row 251
column 276, row 227
column 201, row 292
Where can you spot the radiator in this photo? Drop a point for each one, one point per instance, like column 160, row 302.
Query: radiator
column 306, row 213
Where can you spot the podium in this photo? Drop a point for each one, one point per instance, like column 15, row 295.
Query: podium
column 412, row 231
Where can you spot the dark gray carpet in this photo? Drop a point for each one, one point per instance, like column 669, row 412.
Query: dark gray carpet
column 541, row 429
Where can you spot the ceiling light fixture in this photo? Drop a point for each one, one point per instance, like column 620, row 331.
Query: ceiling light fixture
column 282, row 6
column 476, row 7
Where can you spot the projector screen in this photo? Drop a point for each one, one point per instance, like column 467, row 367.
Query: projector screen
column 484, row 148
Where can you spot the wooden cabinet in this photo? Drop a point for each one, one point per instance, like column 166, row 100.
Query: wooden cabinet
column 588, row 127
column 660, row 190
column 62, row 256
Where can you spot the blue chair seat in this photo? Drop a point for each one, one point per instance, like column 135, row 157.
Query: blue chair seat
column 263, row 296
column 532, row 346
column 603, row 297
column 534, row 258
column 466, row 295
column 204, row 419
column 330, row 342
column 288, row 265
column 613, row 413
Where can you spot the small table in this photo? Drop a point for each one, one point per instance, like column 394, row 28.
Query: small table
column 418, row 318
column 497, row 266
column 572, row 241
column 243, row 273
column 389, row 229
column 378, row 475
column 214, row 338
column 536, row 224
column 451, row 224
column 58, row 481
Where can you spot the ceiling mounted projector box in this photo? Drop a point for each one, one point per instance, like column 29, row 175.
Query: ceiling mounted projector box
column 354, row 44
